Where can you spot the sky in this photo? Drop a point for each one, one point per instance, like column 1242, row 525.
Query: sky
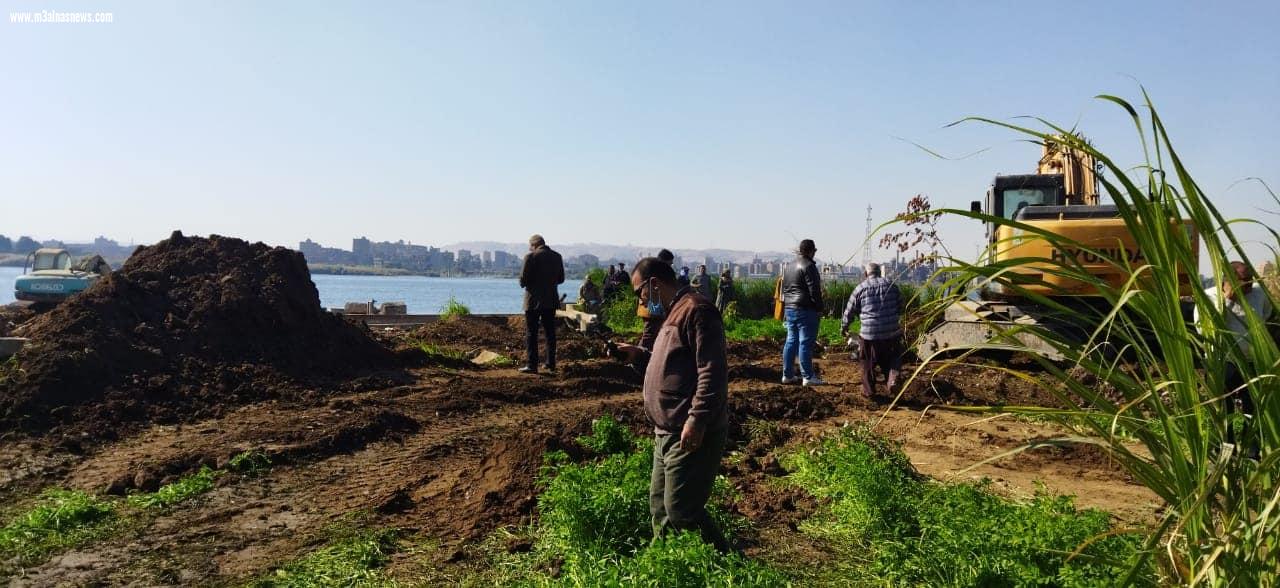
column 740, row 125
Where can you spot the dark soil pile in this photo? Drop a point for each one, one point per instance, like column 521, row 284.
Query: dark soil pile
column 185, row 330
column 12, row 316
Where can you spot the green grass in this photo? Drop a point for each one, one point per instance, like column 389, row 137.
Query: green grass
column 59, row 520
column 593, row 528
column 439, row 353
column 454, row 309
column 354, row 558
column 889, row 524
column 181, row 491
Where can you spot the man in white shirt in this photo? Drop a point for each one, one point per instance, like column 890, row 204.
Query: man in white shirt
column 1231, row 304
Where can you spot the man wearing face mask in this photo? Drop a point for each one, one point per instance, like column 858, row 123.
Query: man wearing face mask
column 651, row 325
column 686, row 392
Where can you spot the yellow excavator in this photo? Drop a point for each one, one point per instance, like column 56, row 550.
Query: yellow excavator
column 1060, row 198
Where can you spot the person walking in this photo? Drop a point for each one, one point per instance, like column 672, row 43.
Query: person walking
column 543, row 270
column 686, row 390
column 877, row 303
column 702, row 282
column 801, row 308
column 724, row 291
column 1231, row 304
column 683, row 278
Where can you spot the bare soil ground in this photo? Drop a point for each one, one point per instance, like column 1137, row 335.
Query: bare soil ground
column 199, row 349
column 450, row 453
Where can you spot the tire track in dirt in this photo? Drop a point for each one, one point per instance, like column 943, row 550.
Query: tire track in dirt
column 449, row 477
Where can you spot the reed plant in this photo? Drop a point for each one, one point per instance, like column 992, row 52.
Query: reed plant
column 1151, row 380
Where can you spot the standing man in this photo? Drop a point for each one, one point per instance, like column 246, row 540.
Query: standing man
column 802, row 308
column 877, row 303
column 702, row 282
column 726, row 291
column 1232, row 304
column 543, row 270
column 610, row 287
column 686, row 390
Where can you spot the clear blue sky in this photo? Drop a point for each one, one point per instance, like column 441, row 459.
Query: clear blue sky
column 684, row 124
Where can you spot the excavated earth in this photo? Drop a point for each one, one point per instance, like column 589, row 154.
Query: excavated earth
column 208, row 358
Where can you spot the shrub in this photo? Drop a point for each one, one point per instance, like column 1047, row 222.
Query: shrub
column 619, row 313
column 754, row 298
column 835, row 294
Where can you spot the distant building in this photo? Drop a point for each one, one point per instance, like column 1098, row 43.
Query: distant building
column 362, row 251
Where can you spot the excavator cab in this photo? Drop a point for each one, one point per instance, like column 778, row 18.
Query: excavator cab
column 50, row 259
column 1010, row 195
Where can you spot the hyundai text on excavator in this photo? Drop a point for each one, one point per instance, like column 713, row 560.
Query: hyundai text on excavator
column 1061, row 198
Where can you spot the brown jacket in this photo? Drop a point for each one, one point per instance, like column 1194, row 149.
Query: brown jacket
column 687, row 377
column 543, row 270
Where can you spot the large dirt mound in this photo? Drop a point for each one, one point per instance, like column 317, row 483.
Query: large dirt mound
column 186, row 329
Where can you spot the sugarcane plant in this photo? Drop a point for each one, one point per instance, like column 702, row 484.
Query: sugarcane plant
column 1141, row 379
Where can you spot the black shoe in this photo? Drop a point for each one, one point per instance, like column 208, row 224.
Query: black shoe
column 528, row 369
column 550, row 368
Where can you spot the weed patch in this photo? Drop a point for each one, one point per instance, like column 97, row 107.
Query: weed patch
column 437, row 353
column 909, row 531
column 60, row 519
column 594, row 527
column 249, row 463
column 454, row 309
column 355, row 558
column 181, row 491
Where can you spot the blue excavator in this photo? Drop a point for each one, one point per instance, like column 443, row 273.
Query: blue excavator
column 51, row 276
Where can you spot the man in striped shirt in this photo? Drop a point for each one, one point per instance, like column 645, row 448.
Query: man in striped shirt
column 877, row 303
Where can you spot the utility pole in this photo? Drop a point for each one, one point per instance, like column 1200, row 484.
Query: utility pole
column 866, row 244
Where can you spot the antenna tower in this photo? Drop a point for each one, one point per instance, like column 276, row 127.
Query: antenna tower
column 866, row 245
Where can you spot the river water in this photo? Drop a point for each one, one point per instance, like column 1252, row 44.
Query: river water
column 423, row 295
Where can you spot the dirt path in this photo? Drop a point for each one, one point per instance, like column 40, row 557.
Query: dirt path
column 452, row 454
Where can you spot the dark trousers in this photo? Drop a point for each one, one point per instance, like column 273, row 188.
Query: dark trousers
column 680, row 485
column 547, row 318
column 885, row 353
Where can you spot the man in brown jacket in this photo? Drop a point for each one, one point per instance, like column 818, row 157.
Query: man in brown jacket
column 543, row 270
column 686, row 391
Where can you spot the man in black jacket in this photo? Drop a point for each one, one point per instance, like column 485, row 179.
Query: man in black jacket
column 543, row 270
column 802, row 309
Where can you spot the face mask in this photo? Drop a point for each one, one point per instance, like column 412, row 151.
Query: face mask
column 654, row 304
